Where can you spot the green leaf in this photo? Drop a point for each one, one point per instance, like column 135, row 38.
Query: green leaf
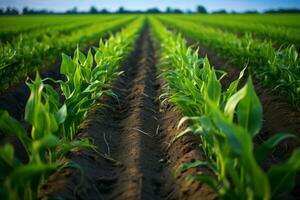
column 78, row 54
column 98, row 57
column 7, row 160
column 11, row 126
column 66, row 147
column 267, row 146
column 52, row 97
column 94, row 86
column 77, row 78
column 30, row 173
column 61, row 114
column 189, row 165
column 34, row 102
column 90, row 60
column 249, row 111
column 282, row 176
column 67, row 66
column 231, row 90
column 232, row 132
column 7, row 152
column 206, row 70
column 37, row 113
column 233, row 102
column 214, row 87
column 41, row 147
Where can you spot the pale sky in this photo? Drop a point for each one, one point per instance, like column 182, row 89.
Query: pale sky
column 112, row 5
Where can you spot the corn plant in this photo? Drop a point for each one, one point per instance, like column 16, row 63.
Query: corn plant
column 279, row 33
column 226, row 122
column 55, row 123
column 278, row 69
column 29, row 52
column 85, row 82
column 20, row 179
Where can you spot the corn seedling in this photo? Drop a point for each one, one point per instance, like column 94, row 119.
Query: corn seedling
column 226, row 122
column 278, row 69
column 55, row 123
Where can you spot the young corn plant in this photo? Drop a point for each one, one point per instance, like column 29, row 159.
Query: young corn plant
column 55, row 123
column 28, row 52
column 20, row 179
column 277, row 68
column 226, row 122
column 86, row 82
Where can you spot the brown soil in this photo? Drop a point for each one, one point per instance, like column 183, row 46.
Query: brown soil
column 132, row 134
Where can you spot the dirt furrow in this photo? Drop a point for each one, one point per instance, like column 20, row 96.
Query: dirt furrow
column 139, row 150
column 127, row 132
column 134, row 158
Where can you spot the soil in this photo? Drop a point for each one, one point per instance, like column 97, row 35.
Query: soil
column 135, row 158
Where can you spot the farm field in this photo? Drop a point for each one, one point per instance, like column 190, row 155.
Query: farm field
column 150, row 106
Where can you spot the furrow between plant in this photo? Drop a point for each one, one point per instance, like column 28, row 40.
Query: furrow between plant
column 129, row 164
column 133, row 133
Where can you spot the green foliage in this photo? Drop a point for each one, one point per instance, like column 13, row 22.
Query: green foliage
column 282, row 176
column 278, row 69
column 226, row 122
column 38, row 48
column 55, row 123
column 279, row 28
column 21, row 179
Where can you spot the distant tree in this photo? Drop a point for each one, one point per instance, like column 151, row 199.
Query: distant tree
column 93, row 10
column 25, row 11
column 11, row 11
column 222, row 11
column 177, row 11
column 169, row 10
column 201, row 9
column 121, row 10
column 104, row 11
column 189, row 12
column 283, row 11
column 251, row 12
column 153, row 11
column 72, row 11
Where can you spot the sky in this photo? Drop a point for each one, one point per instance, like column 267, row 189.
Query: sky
column 112, row 5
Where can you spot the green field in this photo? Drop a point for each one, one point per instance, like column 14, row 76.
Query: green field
column 164, row 106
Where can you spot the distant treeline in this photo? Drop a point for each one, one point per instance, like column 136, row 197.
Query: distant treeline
column 122, row 10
